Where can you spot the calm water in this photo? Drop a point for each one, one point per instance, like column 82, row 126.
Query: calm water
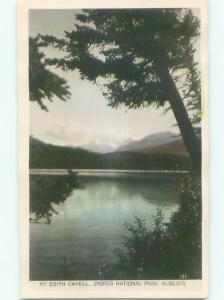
column 88, row 225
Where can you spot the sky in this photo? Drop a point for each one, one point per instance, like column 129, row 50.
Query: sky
column 85, row 119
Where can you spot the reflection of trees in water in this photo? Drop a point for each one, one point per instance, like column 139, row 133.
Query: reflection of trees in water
column 47, row 190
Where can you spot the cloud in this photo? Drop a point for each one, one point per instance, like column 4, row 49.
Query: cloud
column 66, row 133
column 72, row 133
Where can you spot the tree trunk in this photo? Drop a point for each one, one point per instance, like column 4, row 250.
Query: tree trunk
column 191, row 141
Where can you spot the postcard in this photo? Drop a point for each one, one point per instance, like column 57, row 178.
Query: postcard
column 113, row 158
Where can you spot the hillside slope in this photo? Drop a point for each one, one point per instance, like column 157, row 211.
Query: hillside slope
column 43, row 155
column 160, row 142
column 176, row 147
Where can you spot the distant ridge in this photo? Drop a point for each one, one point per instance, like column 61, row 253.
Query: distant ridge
column 176, row 147
column 161, row 142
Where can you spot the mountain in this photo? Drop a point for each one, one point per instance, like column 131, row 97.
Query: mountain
column 176, row 147
column 105, row 146
column 98, row 147
column 44, row 155
column 160, row 142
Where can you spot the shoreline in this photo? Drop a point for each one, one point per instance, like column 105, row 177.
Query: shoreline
column 107, row 172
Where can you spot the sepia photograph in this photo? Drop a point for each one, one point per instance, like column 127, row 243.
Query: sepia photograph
column 115, row 146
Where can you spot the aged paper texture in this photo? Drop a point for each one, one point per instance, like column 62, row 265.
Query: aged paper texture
column 113, row 148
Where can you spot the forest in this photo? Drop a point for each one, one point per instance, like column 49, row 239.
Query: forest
column 47, row 156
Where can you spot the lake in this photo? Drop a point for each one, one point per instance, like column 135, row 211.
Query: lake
column 84, row 224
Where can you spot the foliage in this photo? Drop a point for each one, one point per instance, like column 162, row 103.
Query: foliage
column 44, row 155
column 168, row 250
column 191, row 89
column 185, row 228
column 124, row 45
column 138, row 56
column 43, row 83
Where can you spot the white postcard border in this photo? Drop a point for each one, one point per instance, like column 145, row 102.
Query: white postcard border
column 34, row 289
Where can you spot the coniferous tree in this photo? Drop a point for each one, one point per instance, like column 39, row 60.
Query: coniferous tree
column 138, row 56
column 43, row 84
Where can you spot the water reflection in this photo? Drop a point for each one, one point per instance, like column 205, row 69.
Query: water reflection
column 87, row 227
column 46, row 192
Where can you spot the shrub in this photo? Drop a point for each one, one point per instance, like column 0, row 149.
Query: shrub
column 168, row 250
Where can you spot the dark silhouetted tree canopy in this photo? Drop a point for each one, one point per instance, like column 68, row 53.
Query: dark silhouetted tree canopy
column 138, row 56
column 43, row 84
